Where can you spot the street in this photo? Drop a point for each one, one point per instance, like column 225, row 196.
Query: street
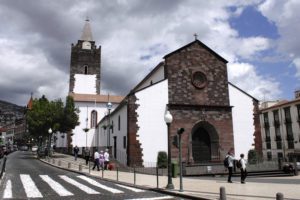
column 27, row 178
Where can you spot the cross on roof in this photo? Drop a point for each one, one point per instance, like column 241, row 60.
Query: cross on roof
column 195, row 35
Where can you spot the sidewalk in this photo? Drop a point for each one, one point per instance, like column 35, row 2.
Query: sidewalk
column 195, row 187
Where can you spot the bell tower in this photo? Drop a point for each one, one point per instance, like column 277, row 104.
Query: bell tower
column 85, row 65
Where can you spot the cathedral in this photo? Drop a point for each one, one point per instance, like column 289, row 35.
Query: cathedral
column 191, row 83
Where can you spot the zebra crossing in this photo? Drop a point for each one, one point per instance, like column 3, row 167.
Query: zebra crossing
column 80, row 182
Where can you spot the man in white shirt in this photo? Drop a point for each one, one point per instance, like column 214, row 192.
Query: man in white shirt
column 96, row 160
column 243, row 168
column 106, row 159
column 230, row 165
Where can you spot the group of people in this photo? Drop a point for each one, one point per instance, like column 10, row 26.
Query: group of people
column 231, row 162
column 101, row 160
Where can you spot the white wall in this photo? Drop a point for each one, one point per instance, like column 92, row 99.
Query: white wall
column 242, row 116
column 152, row 128
column 156, row 77
column 85, row 84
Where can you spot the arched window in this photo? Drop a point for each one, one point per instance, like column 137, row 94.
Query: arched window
column 93, row 119
column 86, row 69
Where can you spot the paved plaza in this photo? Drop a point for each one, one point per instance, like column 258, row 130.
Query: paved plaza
column 194, row 187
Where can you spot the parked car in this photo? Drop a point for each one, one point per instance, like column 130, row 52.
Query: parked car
column 15, row 147
column 34, row 148
column 24, row 148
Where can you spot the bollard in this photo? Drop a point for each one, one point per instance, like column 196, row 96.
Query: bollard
column 69, row 165
column 59, row 162
column 295, row 166
column 222, row 193
column 279, row 196
column 134, row 176
column 157, row 184
column 102, row 172
column 117, row 174
column 80, row 168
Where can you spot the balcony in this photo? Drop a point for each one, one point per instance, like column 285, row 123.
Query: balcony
column 268, row 139
column 278, row 138
column 276, row 123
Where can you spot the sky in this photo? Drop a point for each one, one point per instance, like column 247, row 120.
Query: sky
column 258, row 38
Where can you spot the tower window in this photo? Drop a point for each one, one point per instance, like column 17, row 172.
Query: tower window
column 119, row 123
column 93, row 119
column 86, row 69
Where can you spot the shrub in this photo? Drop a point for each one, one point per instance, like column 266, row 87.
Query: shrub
column 162, row 159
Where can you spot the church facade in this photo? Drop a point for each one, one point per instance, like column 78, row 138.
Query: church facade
column 192, row 84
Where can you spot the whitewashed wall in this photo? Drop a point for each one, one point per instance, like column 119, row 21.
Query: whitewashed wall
column 152, row 128
column 156, row 77
column 85, row 84
column 242, row 115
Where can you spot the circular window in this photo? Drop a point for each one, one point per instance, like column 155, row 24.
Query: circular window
column 199, row 79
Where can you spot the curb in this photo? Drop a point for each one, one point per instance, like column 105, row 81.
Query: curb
column 159, row 190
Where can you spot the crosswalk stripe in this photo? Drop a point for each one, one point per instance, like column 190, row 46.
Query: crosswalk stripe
column 153, row 198
column 57, row 187
column 8, row 190
column 79, row 185
column 95, row 183
column 30, row 188
column 130, row 188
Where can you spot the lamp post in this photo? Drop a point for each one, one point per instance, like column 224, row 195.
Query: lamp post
column 179, row 132
column 168, row 119
column 49, row 141
column 108, row 106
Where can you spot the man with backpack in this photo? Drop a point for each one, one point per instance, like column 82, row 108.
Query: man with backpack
column 242, row 165
column 228, row 163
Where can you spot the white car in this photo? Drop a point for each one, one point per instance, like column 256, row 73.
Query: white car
column 34, row 148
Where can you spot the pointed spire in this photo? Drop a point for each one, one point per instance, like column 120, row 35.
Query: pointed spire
column 87, row 31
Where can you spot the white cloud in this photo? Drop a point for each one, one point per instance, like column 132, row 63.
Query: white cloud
column 296, row 62
column 245, row 76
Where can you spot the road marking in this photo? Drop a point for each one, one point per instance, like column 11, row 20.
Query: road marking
column 8, row 190
column 30, row 188
column 57, row 187
column 95, row 183
column 130, row 188
column 154, row 198
column 79, row 185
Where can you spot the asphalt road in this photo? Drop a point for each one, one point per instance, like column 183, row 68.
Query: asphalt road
column 28, row 178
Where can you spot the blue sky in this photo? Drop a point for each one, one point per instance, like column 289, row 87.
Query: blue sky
column 259, row 38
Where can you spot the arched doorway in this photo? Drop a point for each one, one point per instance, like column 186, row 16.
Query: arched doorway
column 201, row 146
column 205, row 142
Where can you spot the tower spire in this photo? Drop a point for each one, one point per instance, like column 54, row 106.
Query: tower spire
column 87, row 31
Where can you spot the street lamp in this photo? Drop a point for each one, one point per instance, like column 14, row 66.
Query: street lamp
column 168, row 120
column 49, row 141
column 108, row 106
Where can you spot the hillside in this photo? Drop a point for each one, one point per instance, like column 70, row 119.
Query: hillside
column 9, row 112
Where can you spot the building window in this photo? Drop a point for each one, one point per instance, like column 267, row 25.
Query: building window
column 266, row 120
column 93, row 119
column 119, row 123
column 86, row 69
column 298, row 114
column 279, row 144
column 124, row 142
column 269, row 156
column 287, row 115
column 280, row 156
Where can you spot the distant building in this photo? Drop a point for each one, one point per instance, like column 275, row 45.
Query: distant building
column 280, row 129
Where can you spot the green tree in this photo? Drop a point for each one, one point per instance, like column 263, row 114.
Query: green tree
column 253, row 156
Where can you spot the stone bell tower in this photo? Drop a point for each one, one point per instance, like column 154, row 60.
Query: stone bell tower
column 85, row 67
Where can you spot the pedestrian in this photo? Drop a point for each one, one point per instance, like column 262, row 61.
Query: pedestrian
column 101, row 160
column 230, row 159
column 86, row 156
column 76, row 150
column 106, row 159
column 96, row 160
column 243, row 168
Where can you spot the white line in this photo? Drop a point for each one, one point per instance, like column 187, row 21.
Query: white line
column 8, row 190
column 153, row 198
column 95, row 183
column 57, row 187
column 30, row 188
column 79, row 185
column 130, row 188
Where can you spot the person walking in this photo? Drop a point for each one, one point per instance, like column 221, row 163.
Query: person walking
column 230, row 158
column 76, row 150
column 101, row 160
column 86, row 156
column 96, row 160
column 243, row 168
column 106, row 159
